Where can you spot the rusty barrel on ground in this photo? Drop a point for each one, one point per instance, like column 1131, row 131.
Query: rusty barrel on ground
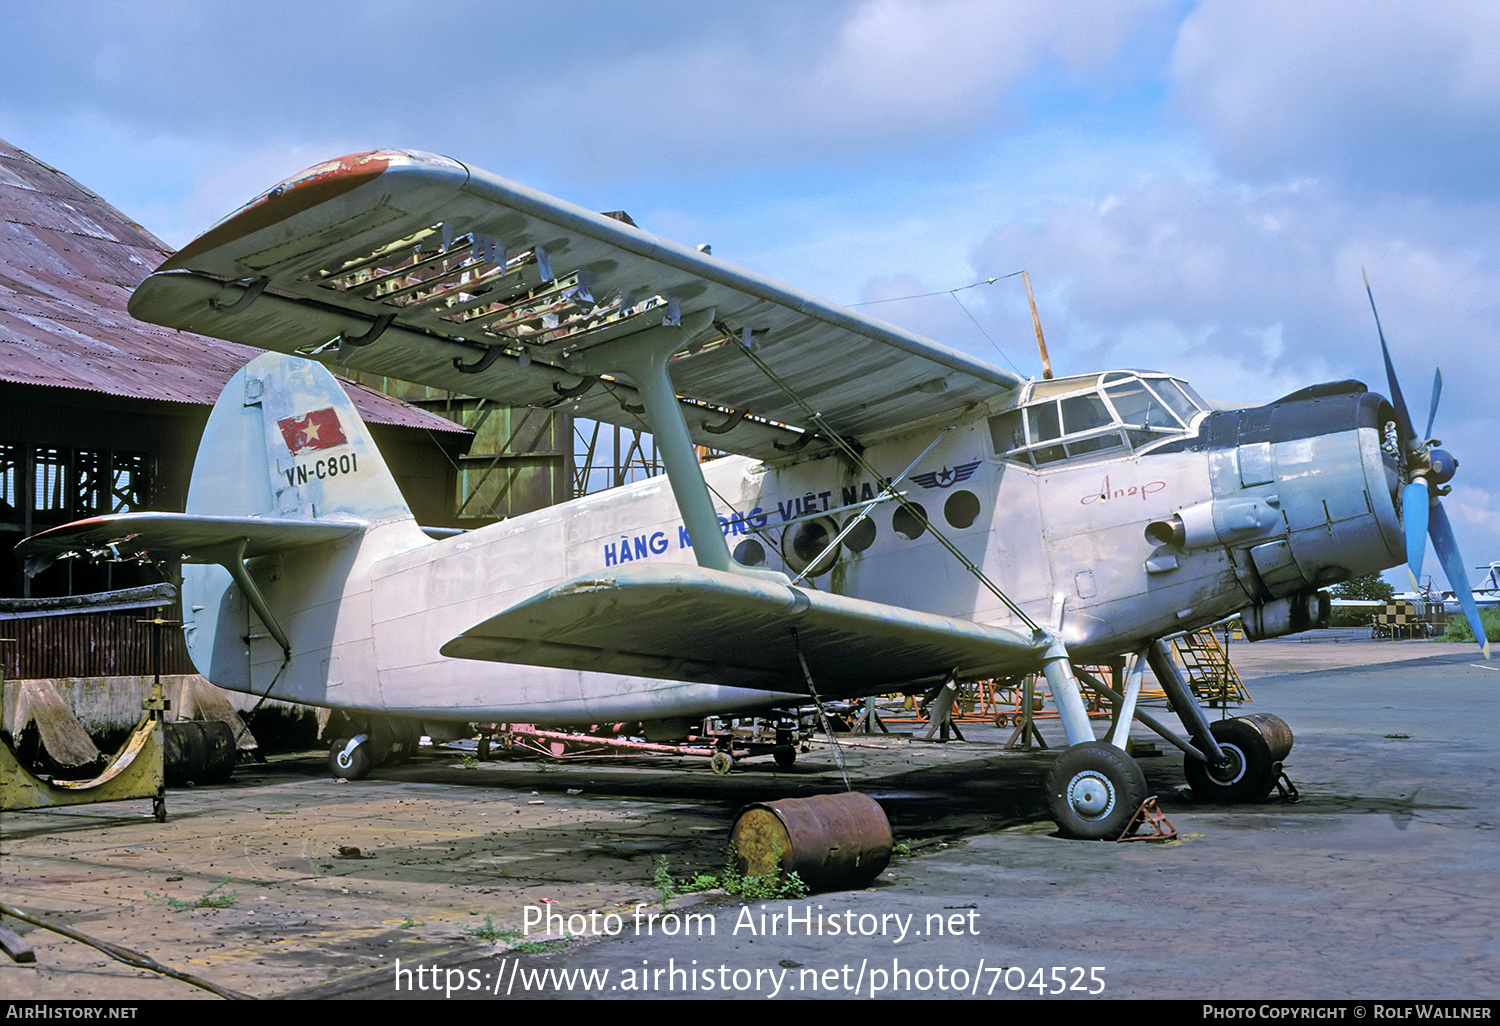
column 831, row 841
column 1276, row 732
column 197, row 752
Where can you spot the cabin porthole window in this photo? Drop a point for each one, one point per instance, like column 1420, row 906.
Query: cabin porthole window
column 750, row 553
column 863, row 535
column 961, row 509
column 804, row 541
column 909, row 521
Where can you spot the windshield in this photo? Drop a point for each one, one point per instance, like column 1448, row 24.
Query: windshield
column 1094, row 416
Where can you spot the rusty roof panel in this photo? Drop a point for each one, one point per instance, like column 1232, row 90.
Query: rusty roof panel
column 68, row 261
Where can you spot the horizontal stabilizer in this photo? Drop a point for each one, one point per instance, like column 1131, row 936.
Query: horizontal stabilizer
column 689, row 623
column 176, row 537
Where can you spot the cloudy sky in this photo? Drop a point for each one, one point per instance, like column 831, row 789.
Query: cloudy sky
column 1193, row 187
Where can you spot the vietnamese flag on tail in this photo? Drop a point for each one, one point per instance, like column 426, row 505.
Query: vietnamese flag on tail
column 319, row 429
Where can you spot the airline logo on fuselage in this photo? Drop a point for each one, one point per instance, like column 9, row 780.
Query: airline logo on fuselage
column 946, row 478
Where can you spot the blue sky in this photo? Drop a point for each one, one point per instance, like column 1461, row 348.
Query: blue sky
column 1193, row 187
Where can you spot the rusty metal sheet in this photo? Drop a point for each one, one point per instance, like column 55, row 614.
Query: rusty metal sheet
column 68, row 261
column 89, row 645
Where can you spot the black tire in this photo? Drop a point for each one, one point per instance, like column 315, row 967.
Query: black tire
column 1250, row 773
column 355, row 766
column 1094, row 790
column 785, row 756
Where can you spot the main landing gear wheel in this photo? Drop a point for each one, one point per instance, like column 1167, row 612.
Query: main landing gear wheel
column 785, row 756
column 1255, row 747
column 1094, row 790
column 350, row 764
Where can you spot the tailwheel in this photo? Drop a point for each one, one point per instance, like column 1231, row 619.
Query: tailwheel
column 721, row 763
column 1094, row 790
column 350, row 758
column 1254, row 747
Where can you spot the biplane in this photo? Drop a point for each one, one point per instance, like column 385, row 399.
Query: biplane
column 893, row 514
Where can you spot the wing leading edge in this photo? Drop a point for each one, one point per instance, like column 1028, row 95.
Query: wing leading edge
column 418, row 267
column 688, row 623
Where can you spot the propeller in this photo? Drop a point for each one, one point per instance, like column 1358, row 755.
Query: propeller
column 1427, row 470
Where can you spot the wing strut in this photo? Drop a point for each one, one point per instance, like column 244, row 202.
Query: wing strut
column 888, row 492
column 838, row 754
column 232, row 558
column 643, row 357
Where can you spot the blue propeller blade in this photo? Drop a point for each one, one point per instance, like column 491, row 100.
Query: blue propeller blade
column 1437, row 390
column 1415, row 503
column 1403, row 419
column 1453, row 566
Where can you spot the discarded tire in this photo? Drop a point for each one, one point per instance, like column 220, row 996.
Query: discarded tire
column 197, row 752
column 832, row 842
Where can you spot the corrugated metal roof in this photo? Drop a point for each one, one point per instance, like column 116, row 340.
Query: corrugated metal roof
column 68, row 261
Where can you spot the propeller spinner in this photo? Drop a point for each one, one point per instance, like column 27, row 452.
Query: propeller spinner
column 1427, row 470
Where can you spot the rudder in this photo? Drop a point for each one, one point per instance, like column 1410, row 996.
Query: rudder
column 284, row 440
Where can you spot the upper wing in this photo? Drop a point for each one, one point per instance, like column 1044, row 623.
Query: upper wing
column 421, row 264
column 173, row 537
column 688, row 623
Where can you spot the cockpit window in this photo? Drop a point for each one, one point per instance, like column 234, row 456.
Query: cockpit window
column 1174, row 395
column 1042, row 423
column 1094, row 416
column 1084, row 413
column 1139, row 407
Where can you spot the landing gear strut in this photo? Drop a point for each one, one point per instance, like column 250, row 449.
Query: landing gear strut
column 1254, row 747
column 350, row 757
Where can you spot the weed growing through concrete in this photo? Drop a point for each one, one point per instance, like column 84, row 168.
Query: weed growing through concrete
column 661, row 879
column 491, row 933
column 773, row 885
column 211, row 898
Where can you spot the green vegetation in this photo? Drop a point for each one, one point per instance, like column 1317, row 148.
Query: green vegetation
column 1369, row 588
column 661, row 879
column 491, row 933
column 1459, row 629
column 211, row 898
column 488, row 931
column 772, row 885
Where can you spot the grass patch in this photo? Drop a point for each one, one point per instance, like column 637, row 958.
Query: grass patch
column 211, row 898
column 773, row 885
column 491, row 933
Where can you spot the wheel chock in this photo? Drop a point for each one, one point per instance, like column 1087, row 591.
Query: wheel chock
column 1149, row 814
column 1286, row 788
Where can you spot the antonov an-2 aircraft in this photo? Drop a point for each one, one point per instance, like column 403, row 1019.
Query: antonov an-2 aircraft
column 895, row 514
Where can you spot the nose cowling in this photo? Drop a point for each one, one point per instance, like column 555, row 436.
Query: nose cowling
column 1319, row 459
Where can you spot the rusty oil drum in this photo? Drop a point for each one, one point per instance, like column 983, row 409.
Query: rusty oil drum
column 1277, row 734
column 197, row 752
column 831, row 841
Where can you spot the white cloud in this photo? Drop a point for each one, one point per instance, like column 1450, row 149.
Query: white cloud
column 1380, row 92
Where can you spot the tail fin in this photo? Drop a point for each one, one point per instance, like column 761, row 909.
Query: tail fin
column 284, row 440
